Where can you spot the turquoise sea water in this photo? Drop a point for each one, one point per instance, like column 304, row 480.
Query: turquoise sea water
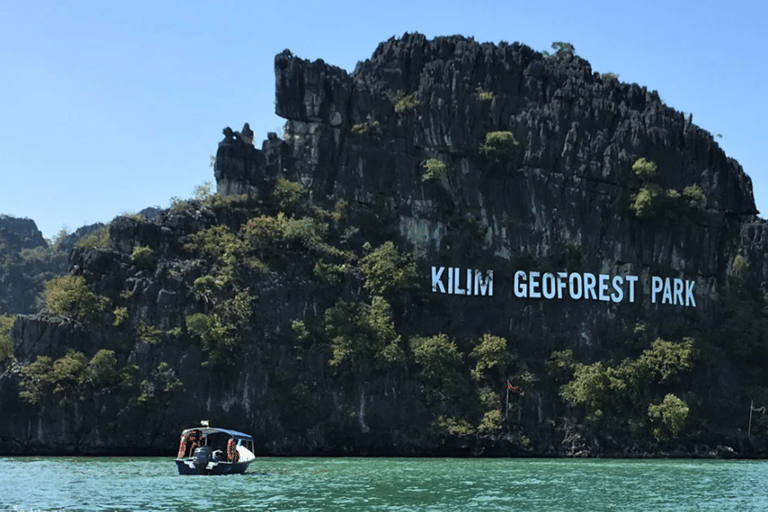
column 386, row 484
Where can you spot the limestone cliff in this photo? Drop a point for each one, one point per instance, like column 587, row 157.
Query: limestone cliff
column 478, row 160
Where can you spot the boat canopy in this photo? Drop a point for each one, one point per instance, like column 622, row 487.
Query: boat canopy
column 212, row 430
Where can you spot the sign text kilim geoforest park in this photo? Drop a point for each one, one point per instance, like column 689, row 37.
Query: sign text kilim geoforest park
column 561, row 285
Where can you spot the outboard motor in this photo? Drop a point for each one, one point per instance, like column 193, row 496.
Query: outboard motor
column 202, row 457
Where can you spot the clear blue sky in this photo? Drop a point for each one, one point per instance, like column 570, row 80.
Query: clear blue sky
column 110, row 107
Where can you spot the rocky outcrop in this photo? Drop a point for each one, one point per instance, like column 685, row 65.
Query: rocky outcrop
column 27, row 261
column 20, row 269
column 566, row 184
column 556, row 200
column 20, row 234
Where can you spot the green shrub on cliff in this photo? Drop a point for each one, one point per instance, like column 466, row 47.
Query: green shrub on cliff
column 35, row 379
column 289, row 195
column 623, row 393
column 668, row 417
column 265, row 236
column 307, row 231
column 160, row 387
column 453, row 426
column 645, row 169
column 362, row 335
column 69, row 297
column 6, row 348
column 387, row 270
column 484, row 95
column 695, row 197
column 103, row 371
column 498, row 144
column 434, row 169
column 121, row 316
column 370, row 126
column 562, row 49
column 440, row 360
column 404, row 103
column 647, row 201
column 143, row 257
column 651, row 199
column 95, row 240
column 492, row 358
column 220, row 332
column 213, row 243
column 147, row 333
column 205, row 191
column 71, row 376
column 329, row 273
column 491, row 422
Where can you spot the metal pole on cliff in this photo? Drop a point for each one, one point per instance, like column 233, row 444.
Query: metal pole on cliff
column 761, row 410
column 506, row 414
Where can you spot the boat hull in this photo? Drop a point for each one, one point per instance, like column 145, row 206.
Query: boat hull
column 188, row 467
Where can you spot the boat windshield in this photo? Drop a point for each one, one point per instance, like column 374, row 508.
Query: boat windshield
column 224, row 446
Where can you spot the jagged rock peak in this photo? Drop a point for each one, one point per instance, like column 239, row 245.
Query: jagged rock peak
column 20, row 233
column 568, row 119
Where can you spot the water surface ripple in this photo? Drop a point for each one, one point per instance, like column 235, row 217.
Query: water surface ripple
column 385, row 484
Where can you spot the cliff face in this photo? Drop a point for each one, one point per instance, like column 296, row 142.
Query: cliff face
column 564, row 188
column 506, row 174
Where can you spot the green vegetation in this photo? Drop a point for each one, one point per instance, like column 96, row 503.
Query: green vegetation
column 265, row 236
column 214, row 243
column 370, row 126
column 491, row 422
column 645, row 169
column 695, row 197
column 103, row 371
column 484, row 95
column 300, row 328
column 221, row 331
column 562, row 49
column 147, row 333
column 404, row 102
column 386, row 270
column 498, row 144
column 669, row 416
column 179, row 205
column 72, row 376
column 121, row 316
column 69, row 297
column 440, row 360
column 650, row 200
column 96, row 240
column 434, row 170
column 627, row 394
column 136, row 217
column 6, row 347
column 453, row 426
column 160, row 388
column 330, row 273
column 289, row 195
column 143, row 257
column 742, row 333
column 609, row 76
column 205, row 191
column 492, row 358
column 362, row 334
